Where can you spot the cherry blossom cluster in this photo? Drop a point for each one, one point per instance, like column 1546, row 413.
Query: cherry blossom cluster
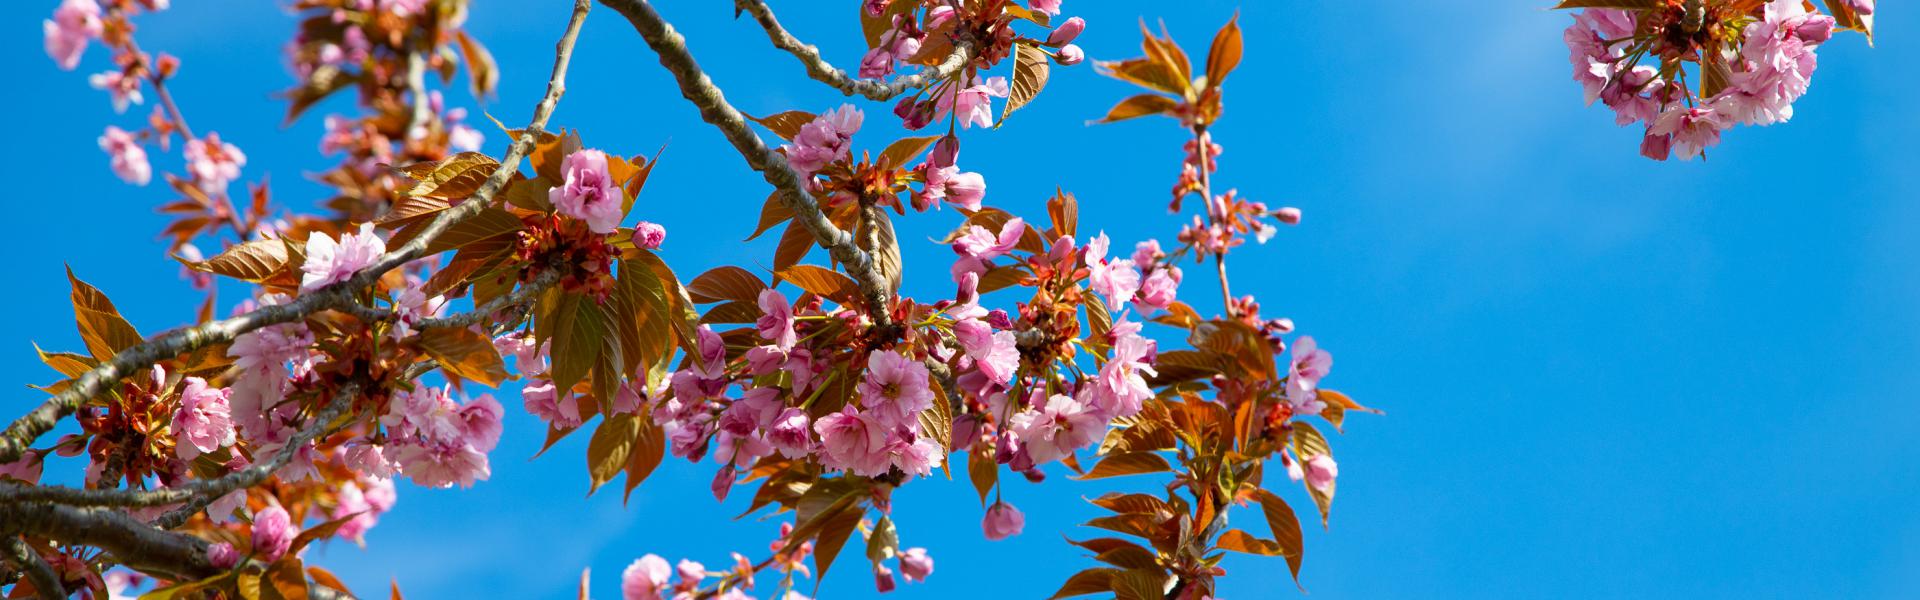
column 1750, row 65
column 924, row 32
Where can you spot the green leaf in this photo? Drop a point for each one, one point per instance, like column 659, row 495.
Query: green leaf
column 578, row 328
column 884, row 542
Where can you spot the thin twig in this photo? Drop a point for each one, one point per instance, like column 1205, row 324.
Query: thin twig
column 874, row 89
column 45, row 583
column 526, row 293
column 22, row 432
column 773, row 167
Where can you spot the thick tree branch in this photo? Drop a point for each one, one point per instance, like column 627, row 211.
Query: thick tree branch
column 131, row 543
column 874, row 89
column 715, row 110
column 97, row 380
column 45, row 582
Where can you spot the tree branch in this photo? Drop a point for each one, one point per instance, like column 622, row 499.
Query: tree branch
column 874, row 89
column 773, row 167
column 132, row 543
column 22, row 432
column 45, row 583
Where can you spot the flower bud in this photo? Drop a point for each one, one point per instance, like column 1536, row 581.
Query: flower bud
column 1066, row 32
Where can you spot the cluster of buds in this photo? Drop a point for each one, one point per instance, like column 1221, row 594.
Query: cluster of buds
column 988, row 26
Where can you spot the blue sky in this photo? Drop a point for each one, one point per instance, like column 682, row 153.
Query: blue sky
column 1605, row 376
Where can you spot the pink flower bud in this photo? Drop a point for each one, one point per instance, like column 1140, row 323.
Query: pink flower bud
column 1816, row 29
column 649, row 236
column 222, row 555
column 1321, row 470
column 1863, row 7
column 1066, row 32
column 1003, row 521
column 916, row 565
column 966, row 190
column 883, row 578
column 1288, row 215
column 1071, row 55
column 273, row 533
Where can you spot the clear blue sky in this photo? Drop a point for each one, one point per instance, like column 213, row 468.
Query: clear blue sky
column 1606, row 377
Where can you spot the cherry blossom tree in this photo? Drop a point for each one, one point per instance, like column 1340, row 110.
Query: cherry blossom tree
column 213, row 455
column 1689, row 70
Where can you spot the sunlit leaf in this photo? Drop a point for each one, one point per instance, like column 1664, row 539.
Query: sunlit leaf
column 1031, row 69
column 1129, row 463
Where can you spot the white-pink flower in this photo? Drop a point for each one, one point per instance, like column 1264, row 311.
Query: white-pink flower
column 1051, row 7
column 646, row 579
column 895, row 389
column 1160, row 289
column 122, row 90
column 776, row 319
column 443, row 465
column 980, row 243
column 1321, row 471
column 1693, row 129
column 557, row 407
column 915, row 564
column 214, row 163
column 1003, row 521
column 73, row 24
column 826, row 139
column 1121, row 388
column 589, row 193
column 204, row 423
column 853, row 441
column 1304, row 372
column 1054, row 431
column 273, row 532
column 648, row 235
column 973, row 105
column 995, row 353
column 330, row 262
column 1116, row 280
column 128, row 159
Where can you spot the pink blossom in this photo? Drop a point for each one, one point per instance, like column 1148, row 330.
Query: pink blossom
column 1051, row 7
column 1635, row 96
column 330, row 262
column 776, row 319
column 645, row 579
column 73, row 24
column 1657, row 147
column 883, row 579
column 222, row 555
column 1056, row 430
column 913, row 454
column 368, row 459
column 648, row 235
column 214, row 163
column 1121, row 389
column 853, row 441
column 791, row 433
column 824, row 140
column 203, row 423
column 1863, row 7
column 480, row 422
column 980, row 243
column 1304, row 372
column 440, row 465
column 128, row 159
column 895, row 389
column 589, row 194
column 1693, row 130
column 1116, row 280
column 994, row 353
column 1160, row 289
column 1003, row 521
column 964, row 190
column 1592, row 57
column 915, row 564
column 1321, row 470
column 1070, row 55
column 25, row 469
column 556, row 407
column 1778, row 55
column 122, row 90
column 273, row 532
column 1067, row 32
column 691, row 573
column 973, row 105
column 351, row 502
